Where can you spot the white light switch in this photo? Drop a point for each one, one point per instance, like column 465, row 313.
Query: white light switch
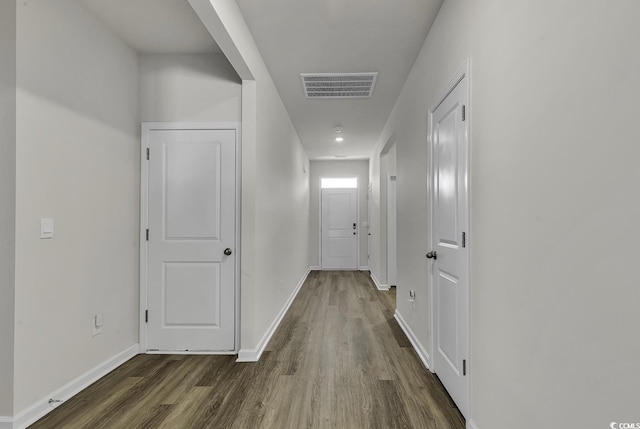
column 46, row 228
column 98, row 321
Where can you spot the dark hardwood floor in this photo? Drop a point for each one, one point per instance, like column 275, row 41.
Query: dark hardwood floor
column 338, row 360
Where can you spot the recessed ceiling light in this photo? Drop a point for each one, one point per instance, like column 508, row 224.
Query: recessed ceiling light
column 339, row 139
column 338, row 130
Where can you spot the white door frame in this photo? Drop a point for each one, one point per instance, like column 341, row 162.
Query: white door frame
column 369, row 198
column 464, row 71
column 146, row 128
column 357, row 217
column 392, row 245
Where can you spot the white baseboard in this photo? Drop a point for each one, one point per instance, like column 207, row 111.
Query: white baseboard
column 364, row 268
column 378, row 284
column 253, row 355
column 422, row 352
column 42, row 407
column 6, row 423
column 315, row 268
column 472, row 425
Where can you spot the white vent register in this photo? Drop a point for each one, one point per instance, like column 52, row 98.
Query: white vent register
column 338, row 85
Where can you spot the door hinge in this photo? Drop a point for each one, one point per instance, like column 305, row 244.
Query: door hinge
column 147, row 234
column 146, row 316
column 464, row 114
column 147, row 154
column 464, row 367
column 464, row 239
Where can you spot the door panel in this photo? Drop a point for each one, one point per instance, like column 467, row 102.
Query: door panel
column 191, row 294
column 447, row 323
column 339, row 236
column 450, row 270
column 194, row 166
column 446, row 180
column 191, row 282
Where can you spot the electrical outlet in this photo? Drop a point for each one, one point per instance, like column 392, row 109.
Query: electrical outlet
column 97, row 324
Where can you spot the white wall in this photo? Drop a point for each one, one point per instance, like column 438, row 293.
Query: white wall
column 188, row 88
column 77, row 162
column 554, row 179
column 381, row 165
column 7, row 199
column 281, row 236
column 275, row 189
column 318, row 169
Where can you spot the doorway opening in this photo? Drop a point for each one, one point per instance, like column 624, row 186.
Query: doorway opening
column 339, row 223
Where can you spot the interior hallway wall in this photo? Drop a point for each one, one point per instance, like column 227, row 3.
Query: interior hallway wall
column 275, row 185
column 7, row 200
column 281, row 208
column 318, row 169
column 555, row 87
column 78, row 163
column 189, row 88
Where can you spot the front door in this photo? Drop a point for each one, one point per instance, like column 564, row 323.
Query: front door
column 339, row 228
column 449, row 251
column 191, row 240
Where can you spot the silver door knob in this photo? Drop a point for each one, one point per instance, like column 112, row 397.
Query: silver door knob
column 227, row 251
column 433, row 254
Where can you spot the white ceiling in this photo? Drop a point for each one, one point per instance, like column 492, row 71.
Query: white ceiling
column 341, row 36
column 301, row 36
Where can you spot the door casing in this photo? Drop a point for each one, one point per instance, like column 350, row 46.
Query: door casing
column 146, row 128
column 392, row 262
column 463, row 72
column 357, row 265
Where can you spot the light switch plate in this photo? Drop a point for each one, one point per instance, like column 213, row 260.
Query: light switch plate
column 98, row 321
column 46, row 228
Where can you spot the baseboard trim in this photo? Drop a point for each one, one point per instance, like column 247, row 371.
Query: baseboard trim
column 364, row 268
column 6, row 423
column 472, row 425
column 422, row 352
column 41, row 408
column 379, row 285
column 315, row 268
column 253, row 355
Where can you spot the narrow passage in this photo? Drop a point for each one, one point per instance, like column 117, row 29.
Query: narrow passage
column 338, row 360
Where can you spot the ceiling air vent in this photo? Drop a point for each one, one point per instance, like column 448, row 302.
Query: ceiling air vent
column 338, row 85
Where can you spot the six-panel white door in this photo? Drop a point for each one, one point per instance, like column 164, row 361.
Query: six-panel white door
column 191, row 218
column 339, row 228
column 450, row 270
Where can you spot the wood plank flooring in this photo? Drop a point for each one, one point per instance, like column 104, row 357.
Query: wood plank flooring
column 338, row 360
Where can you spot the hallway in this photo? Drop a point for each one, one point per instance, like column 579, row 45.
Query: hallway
column 338, row 360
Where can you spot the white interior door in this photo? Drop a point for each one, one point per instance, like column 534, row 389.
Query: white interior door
column 450, row 256
column 191, row 255
column 339, row 228
column 391, row 231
